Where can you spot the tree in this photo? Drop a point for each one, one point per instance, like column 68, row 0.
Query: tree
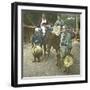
column 31, row 17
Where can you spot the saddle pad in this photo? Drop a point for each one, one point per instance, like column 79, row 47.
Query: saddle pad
column 56, row 30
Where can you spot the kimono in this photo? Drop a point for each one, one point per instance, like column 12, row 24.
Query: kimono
column 37, row 38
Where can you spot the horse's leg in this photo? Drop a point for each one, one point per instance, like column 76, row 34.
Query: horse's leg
column 48, row 49
column 34, row 59
column 59, row 61
column 44, row 49
column 38, row 59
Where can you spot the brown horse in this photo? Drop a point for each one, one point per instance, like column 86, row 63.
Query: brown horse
column 52, row 40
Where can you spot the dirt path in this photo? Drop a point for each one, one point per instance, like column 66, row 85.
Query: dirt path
column 47, row 66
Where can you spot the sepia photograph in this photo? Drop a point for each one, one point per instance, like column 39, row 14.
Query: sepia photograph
column 49, row 44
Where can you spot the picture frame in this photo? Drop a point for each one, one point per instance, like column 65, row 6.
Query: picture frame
column 18, row 10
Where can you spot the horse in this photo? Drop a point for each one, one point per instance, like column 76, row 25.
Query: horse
column 52, row 39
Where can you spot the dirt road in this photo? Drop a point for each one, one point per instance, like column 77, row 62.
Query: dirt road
column 47, row 66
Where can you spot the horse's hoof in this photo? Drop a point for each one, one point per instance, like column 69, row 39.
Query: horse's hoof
column 57, row 64
column 38, row 61
column 33, row 61
column 63, row 69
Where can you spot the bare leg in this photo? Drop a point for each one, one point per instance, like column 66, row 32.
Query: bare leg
column 38, row 59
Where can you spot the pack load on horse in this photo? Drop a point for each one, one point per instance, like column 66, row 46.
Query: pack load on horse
column 36, row 45
column 37, row 52
column 65, row 48
column 58, row 26
column 56, row 30
column 68, row 61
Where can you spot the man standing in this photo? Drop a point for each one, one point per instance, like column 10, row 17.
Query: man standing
column 36, row 38
column 66, row 42
column 65, row 48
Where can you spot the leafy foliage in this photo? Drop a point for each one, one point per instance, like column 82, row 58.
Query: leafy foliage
column 31, row 17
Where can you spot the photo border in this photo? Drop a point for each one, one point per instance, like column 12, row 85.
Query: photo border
column 14, row 43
